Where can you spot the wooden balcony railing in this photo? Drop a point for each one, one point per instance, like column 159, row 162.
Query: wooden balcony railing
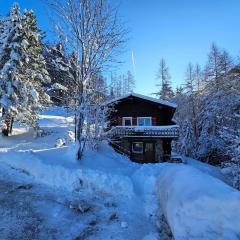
column 171, row 131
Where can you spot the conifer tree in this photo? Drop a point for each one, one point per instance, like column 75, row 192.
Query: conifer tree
column 187, row 138
column 165, row 89
column 22, row 69
column 57, row 63
column 59, row 68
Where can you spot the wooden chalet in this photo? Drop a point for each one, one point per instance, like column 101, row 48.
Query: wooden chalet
column 142, row 127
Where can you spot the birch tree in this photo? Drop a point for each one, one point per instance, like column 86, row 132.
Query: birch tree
column 93, row 31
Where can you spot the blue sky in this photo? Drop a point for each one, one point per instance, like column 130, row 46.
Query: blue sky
column 178, row 30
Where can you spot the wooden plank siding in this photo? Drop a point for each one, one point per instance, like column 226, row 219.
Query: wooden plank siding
column 136, row 107
column 157, row 139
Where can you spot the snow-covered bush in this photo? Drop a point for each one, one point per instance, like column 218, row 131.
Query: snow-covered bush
column 60, row 142
column 232, row 166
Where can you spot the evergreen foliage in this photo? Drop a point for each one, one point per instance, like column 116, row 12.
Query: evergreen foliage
column 164, row 87
column 22, row 68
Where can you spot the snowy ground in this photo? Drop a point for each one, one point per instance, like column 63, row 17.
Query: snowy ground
column 102, row 180
column 122, row 196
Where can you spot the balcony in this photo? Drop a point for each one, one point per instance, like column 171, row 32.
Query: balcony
column 170, row 131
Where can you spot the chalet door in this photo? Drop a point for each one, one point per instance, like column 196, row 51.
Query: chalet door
column 149, row 154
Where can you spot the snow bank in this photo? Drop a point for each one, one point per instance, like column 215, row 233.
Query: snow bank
column 198, row 206
column 52, row 167
column 206, row 168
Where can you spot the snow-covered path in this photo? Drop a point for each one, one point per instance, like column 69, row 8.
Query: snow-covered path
column 105, row 175
column 30, row 210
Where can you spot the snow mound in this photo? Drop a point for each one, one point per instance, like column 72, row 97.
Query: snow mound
column 198, row 206
column 68, row 176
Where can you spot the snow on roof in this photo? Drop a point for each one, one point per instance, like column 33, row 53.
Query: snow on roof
column 160, row 101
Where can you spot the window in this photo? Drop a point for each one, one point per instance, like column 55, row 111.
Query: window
column 127, row 121
column 144, row 121
column 137, row 147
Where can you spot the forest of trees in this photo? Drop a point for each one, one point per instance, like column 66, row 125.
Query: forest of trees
column 208, row 110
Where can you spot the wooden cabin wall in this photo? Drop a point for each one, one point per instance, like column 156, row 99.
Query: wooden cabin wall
column 136, row 107
column 159, row 150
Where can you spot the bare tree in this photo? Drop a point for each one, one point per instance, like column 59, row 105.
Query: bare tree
column 226, row 62
column 191, row 94
column 218, row 65
column 213, row 67
column 198, row 77
column 93, row 31
column 190, row 79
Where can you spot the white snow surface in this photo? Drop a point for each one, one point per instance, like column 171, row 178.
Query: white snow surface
column 58, row 86
column 196, row 205
column 101, row 174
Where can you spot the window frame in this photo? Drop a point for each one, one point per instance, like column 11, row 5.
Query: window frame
column 126, row 118
column 138, row 152
column 138, row 118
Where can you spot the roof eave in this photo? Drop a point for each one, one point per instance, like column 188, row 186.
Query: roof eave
column 159, row 101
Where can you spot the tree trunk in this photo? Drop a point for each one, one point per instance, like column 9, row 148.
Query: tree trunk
column 79, row 132
column 8, row 125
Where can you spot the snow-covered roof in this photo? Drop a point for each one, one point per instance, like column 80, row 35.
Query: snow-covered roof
column 160, row 101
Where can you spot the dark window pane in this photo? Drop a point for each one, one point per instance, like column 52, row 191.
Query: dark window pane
column 127, row 122
column 137, row 147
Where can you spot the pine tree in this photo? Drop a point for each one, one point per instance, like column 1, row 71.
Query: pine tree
column 23, row 69
column 57, row 63
column 59, row 68
column 188, row 142
column 165, row 90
